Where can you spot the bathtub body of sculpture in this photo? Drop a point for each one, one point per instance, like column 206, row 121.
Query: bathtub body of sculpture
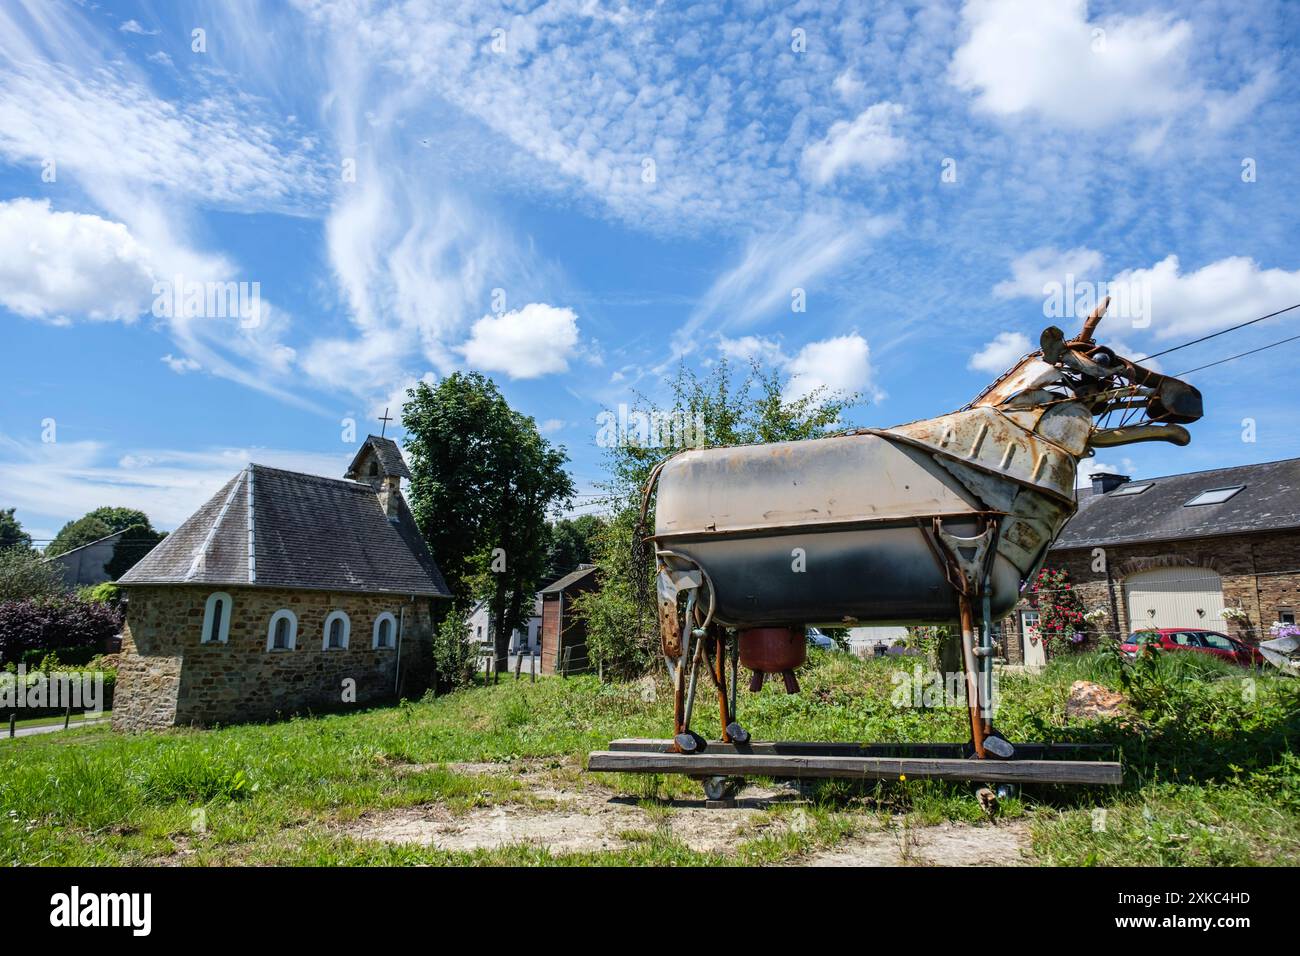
column 939, row 521
column 841, row 530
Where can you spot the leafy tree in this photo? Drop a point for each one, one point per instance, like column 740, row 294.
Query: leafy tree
column 704, row 410
column 139, row 537
column 119, row 519
column 483, row 480
column 24, row 574
column 572, row 543
column 12, row 534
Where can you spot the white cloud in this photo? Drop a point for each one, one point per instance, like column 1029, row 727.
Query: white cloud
column 866, row 143
column 63, row 265
column 1038, row 267
column 535, row 340
column 749, row 348
column 1217, row 295
column 1000, row 354
column 180, row 364
column 1092, row 466
column 109, row 130
column 842, row 365
column 848, row 86
column 133, row 26
column 52, row 483
column 1047, row 59
column 552, row 425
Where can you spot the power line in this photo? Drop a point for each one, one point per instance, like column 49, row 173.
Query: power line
column 1205, row 338
column 1241, row 355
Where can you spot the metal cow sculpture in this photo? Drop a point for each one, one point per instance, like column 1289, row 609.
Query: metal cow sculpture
column 938, row 521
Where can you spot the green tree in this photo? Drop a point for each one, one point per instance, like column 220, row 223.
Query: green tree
column 24, row 574
column 704, row 410
column 12, row 534
column 483, row 481
column 138, row 536
column 76, row 533
column 572, row 543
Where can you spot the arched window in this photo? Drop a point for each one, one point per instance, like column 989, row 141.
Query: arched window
column 216, row 618
column 282, row 632
column 337, row 628
column 385, row 635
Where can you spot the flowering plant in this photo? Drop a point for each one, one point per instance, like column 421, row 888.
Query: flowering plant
column 1060, row 609
column 1284, row 630
column 1237, row 615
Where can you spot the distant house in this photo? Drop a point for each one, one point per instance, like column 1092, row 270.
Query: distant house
column 526, row 640
column 563, row 629
column 1176, row 551
column 106, row 559
column 88, row 564
column 284, row 592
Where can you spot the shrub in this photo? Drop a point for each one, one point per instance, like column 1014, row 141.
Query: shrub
column 25, row 574
column 105, row 592
column 452, row 666
column 54, row 624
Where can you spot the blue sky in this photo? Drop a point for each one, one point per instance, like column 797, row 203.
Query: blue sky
column 572, row 196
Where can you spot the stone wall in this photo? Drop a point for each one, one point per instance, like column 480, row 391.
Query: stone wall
column 169, row 678
column 1259, row 573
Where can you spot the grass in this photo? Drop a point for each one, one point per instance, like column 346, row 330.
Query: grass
column 1209, row 774
column 58, row 719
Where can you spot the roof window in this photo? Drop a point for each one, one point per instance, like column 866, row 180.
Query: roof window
column 1214, row 496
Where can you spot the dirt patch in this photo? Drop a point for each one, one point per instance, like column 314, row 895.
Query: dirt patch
column 949, row 844
column 578, row 816
column 569, row 819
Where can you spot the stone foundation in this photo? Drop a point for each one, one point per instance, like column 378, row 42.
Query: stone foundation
column 168, row 678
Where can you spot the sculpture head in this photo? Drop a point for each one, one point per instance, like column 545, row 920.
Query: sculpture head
column 1149, row 406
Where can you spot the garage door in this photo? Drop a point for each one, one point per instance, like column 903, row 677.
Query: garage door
column 1175, row 597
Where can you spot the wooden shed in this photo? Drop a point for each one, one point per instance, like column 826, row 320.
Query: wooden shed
column 563, row 629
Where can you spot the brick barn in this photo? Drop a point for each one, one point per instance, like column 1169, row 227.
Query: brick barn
column 562, row 627
column 1177, row 551
column 284, row 592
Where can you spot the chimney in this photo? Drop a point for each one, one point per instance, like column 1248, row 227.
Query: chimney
column 1104, row 482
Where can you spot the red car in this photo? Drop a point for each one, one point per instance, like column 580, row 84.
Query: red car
column 1194, row 639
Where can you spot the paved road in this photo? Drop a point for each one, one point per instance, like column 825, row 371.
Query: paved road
column 50, row 728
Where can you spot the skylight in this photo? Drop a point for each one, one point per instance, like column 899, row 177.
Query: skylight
column 1214, row 496
column 1129, row 489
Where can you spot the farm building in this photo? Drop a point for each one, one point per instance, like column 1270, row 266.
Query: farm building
column 1177, row 551
column 284, row 592
column 564, row 632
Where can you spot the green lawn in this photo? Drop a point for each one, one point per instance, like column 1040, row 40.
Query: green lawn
column 58, row 719
column 1209, row 776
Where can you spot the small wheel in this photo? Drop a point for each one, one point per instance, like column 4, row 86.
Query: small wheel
column 720, row 788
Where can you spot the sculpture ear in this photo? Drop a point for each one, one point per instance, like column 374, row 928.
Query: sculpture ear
column 1052, row 342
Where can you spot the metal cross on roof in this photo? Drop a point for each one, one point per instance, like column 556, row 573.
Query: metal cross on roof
column 385, row 419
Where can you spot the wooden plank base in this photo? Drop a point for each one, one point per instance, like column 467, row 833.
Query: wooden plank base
column 787, row 766
column 812, row 748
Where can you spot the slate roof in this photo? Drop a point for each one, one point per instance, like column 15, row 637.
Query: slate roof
column 386, row 453
column 573, row 577
column 302, row 531
column 1269, row 501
